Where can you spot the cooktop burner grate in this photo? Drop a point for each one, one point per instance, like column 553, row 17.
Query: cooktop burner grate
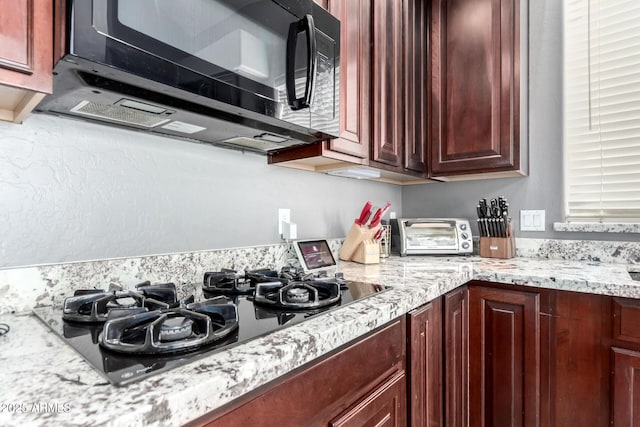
column 298, row 295
column 170, row 330
column 129, row 335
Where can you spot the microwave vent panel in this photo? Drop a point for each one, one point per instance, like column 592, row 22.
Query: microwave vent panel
column 256, row 144
column 116, row 113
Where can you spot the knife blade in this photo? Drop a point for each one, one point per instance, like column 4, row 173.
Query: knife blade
column 507, row 224
column 481, row 222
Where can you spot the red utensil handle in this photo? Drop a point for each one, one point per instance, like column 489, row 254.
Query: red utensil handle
column 378, row 234
column 364, row 214
column 377, row 218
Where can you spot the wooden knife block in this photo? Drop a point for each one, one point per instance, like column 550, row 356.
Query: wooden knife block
column 368, row 252
column 498, row 247
column 357, row 234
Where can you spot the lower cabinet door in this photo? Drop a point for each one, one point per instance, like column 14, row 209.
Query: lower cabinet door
column 456, row 358
column 425, row 365
column 504, row 365
column 384, row 407
column 626, row 388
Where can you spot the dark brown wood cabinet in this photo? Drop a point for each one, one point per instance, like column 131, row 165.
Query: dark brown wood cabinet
column 26, row 45
column 387, row 91
column 400, row 88
column 626, row 320
column 417, row 71
column 385, row 406
column 504, row 357
column 475, row 84
column 575, row 358
column 362, row 383
column 424, row 367
column 625, row 356
column 626, row 388
column 456, row 357
column 538, row 357
column 355, row 39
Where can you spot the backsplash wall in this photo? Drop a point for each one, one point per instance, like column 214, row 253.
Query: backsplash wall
column 73, row 191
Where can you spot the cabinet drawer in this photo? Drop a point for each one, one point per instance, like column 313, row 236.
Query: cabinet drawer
column 314, row 394
column 626, row 320
column 385, row 406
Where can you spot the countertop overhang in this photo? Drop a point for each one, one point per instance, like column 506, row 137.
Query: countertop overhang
column 45, row 382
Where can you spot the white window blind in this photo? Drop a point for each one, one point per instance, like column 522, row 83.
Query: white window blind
column 602, row 110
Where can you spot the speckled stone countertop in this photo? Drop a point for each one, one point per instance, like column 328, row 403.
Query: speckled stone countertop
column 45, row 382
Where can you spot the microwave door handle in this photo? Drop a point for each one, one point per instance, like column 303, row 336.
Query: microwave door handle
column 306, row 25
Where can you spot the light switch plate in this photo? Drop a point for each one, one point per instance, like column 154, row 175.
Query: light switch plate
column 532, row 220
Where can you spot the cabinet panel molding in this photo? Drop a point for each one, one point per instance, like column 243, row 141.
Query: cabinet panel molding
column 425, row 365
column 386, row 406
column 475, row 56
column 626, row 388
column 626, row 320
column 16, row 35
column 355, row 72
column 387, row 101
column 456, row 360
column 504, row 363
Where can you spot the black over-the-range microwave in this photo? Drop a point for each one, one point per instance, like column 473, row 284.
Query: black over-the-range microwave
column 252, row 74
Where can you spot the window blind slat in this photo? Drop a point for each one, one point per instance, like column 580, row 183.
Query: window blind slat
column 602, row 109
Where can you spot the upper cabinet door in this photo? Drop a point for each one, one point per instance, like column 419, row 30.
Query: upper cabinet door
column 355, row 72
column 26, row 44
column 387, row 93
column 475, row 86
column 416, row 84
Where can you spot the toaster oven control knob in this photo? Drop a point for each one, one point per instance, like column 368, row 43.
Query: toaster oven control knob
column 464, row 236
column 463, row 226
column 465, row 245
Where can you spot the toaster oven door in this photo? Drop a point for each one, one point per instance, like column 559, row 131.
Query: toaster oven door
column 430, row 236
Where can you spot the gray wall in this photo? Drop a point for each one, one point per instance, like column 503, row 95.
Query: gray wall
column 543, row 188
column 72, row 190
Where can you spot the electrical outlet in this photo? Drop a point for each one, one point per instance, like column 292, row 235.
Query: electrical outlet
column 532, row 220
column 392, row 215
column 284, row 215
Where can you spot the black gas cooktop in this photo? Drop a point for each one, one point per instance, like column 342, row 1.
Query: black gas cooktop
column 128, row 335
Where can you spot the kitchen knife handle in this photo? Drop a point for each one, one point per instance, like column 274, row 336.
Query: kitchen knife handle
column 364, row 214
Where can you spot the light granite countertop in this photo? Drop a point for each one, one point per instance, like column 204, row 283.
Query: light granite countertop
column 44, row 382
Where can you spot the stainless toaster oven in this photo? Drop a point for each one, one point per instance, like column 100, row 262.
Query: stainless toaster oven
column 431, row 236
